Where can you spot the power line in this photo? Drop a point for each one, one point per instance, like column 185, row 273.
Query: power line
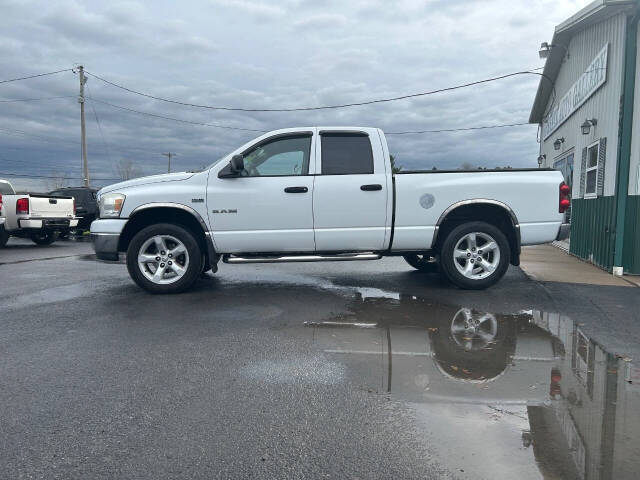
column 34, row 76
column 21, row 175
column 100, row 130
column 35, row 99
column 8, row 131
column 11, row 131
column 215, row 125
column 345, row 105
column 458, row 129
column 264, row 131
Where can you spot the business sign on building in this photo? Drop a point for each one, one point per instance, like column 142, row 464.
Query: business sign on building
column 591, row 79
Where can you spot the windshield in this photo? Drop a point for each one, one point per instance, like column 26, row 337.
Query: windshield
column 216, row 162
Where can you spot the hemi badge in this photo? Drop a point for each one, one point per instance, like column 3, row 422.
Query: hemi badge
column 197, row 200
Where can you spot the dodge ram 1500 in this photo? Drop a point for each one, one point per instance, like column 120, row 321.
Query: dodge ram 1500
column 326, row 193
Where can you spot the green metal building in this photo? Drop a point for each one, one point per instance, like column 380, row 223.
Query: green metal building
column 589, row 117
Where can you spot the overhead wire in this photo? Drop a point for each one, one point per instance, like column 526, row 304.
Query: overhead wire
column 463, row 129
column 34, row 99
column 324, row 107
column 215, row 125
column 104, row 142
column 22, row 175
column 37, row 75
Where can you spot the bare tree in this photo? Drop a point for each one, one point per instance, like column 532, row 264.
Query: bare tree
column 126, row 170
column 466, row 166
column 394, row 168
column 55, row 181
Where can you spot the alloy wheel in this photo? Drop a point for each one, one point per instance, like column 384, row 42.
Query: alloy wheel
column 163, row 259
column 476, row 255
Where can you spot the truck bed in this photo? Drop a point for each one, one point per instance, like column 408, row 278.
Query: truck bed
column 424, row 197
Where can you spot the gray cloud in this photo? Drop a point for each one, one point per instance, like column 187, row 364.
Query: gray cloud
column 249, row 53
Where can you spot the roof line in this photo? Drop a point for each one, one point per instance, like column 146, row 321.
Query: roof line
column 596, row 11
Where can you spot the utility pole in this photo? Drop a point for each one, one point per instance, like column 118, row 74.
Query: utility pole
column 169, row 155
column 85, row 165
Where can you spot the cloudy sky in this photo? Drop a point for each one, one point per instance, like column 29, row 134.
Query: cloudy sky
column 265, row 54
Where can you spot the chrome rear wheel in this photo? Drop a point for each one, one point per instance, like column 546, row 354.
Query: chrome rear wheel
column 476, row 255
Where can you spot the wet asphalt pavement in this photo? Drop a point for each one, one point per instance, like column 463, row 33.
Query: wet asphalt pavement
column 332, row 370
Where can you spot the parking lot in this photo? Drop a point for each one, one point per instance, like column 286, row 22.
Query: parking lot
column 345, row 370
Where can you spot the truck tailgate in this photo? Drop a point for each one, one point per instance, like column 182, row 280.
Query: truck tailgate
column 50, row 207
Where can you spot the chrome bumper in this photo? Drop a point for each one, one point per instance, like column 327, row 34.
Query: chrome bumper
column 48, row 223
column 105, row 245
column 563, row 233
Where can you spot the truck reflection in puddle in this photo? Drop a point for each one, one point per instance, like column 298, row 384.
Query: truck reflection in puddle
column 511, row 396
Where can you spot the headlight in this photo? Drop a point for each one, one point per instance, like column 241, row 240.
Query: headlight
column 111, row 204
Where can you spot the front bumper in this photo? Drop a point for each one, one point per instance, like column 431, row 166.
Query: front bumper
column 106, row 245
column 563, row 233
column 47, row 223
column 105, row 237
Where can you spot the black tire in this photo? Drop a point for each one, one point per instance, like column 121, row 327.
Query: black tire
column 44, row 238
column 193, row 266
column 4, row 237
column 424, row 263
column 448, row 263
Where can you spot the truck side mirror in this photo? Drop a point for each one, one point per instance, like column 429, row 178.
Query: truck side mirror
column 237, row 164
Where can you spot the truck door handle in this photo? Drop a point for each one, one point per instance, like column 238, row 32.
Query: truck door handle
column 296, row 190
column 371, row 188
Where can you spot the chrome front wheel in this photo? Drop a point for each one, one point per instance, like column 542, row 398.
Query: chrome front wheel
column 163, row 259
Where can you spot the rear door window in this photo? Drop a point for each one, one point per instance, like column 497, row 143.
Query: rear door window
column 346, row 153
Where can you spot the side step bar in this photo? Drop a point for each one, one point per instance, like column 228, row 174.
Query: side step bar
column 342, row 257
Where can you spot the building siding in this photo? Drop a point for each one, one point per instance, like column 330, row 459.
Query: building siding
column 604, row 104
column 631, row 252
column 634, row 166
column 593, row 220
column 592, row 226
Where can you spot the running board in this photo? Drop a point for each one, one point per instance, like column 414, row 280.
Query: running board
column 343, row 257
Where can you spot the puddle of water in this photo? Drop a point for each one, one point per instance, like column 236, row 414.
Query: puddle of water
column 519, row 396
column 315, row 370
column 61, row 293
column 299, row 280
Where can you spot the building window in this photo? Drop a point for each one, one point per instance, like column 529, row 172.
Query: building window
column 591, row 173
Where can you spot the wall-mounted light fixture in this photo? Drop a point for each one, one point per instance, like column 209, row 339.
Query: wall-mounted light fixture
column 545, row 49
column 586, row 126
column 558, row 143
column 541, row 159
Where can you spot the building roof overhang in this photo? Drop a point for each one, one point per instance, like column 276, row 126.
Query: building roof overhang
column 593, row 13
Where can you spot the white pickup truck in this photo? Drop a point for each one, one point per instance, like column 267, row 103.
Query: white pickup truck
column 326, row 193
column 38, row 217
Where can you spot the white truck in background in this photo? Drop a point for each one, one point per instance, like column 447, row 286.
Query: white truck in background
column 38, row 217
column 326, row 193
